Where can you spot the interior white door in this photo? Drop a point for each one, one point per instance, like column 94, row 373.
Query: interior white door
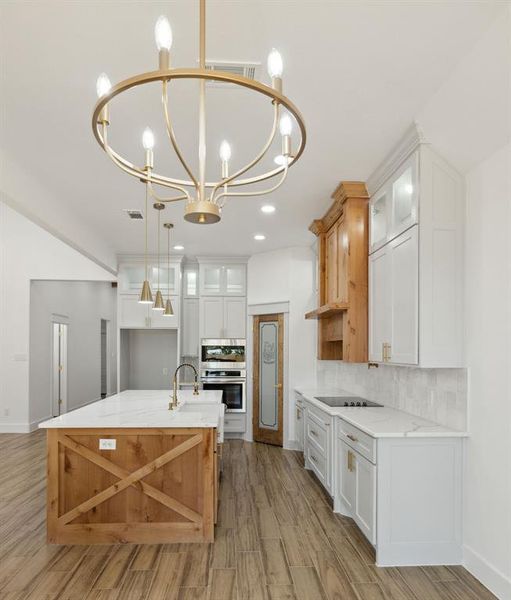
column 212, row 317
column 404, row 283
column 234, row 318
column 379, row 303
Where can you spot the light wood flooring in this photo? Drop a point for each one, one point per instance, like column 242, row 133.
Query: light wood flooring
column 276, row 539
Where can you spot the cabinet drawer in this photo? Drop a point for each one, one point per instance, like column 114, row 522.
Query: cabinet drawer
column 318, row 463
column 357, row 439
column 234, row 423
column 317, row 433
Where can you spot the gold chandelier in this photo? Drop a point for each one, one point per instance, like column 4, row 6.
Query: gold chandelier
column 204, row 199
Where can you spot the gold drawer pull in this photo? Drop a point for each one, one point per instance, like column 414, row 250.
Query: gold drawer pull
column 351, row 437
column 350, row 461
column 313, row 432
column 313, row 458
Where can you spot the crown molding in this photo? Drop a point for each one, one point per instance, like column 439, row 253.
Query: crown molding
column 140, row 258
column 222, row 259
column 411, row 140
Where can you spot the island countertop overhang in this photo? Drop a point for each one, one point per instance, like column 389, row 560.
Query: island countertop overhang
column 145, row 409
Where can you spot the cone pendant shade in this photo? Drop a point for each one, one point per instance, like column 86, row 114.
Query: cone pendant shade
column 158, row 302
column 146, row 296
column 169, row 311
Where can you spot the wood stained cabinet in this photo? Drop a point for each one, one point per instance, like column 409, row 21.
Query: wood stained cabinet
column 342, row 290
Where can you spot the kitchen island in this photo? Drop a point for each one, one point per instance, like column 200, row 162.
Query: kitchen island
column 126, row 469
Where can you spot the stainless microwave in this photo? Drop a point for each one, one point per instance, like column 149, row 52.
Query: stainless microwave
column 223, row 354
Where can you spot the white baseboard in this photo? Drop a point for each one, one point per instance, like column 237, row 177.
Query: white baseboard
column 15, row 428
column 291, row 445
column 33, row 425
column 488, row 575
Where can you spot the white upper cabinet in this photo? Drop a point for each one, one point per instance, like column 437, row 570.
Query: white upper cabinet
column 223, row 317
column 403, row 263
column 190, row 337
column 416, row 262
column 132, row 314
column 222, row 279
column 158, row 321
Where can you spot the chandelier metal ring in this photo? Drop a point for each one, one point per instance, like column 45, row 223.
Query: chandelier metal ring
column 198, row 74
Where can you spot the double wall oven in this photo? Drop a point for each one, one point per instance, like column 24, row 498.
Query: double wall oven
column 223, row 367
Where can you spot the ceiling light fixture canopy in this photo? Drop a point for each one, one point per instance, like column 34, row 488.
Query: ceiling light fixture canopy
column 204, row 199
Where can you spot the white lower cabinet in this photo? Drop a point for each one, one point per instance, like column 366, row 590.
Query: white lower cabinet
column 300, row 421
column 318, row 445
column 357, row 489
column 234, row 423
column 404, row 493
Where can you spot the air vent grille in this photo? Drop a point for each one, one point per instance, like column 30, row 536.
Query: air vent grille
column 243, row 69
column 134, row 213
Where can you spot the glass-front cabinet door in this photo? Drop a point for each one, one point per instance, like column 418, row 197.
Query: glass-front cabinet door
column 168, row 278
column 379, row 218
column 210, row 277
column 131, row 277
column 190, row 283
column 405, row 192
column 235, row 280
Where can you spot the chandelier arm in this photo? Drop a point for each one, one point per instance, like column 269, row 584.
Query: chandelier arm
column 244, row 169
column 254, row 193
column 172, row 137
column 154, row 195
column 144, row 176
column 183, row 196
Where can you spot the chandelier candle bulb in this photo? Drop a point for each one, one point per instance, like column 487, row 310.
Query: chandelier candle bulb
column 103, row 87
column 286, row 146
column 275, row 64
column 163, row 34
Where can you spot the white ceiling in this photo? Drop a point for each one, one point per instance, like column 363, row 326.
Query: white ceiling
column 358, row 71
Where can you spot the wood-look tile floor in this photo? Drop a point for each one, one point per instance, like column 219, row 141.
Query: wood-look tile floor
column 276, row 539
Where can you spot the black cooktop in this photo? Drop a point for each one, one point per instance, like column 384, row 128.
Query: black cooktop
column 354, row 401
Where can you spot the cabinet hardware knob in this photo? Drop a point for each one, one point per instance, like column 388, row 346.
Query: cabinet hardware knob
column 313, row 458
column 313, row 432
column 351, row 437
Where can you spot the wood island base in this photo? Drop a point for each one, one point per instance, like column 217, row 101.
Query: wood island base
column 156, row 486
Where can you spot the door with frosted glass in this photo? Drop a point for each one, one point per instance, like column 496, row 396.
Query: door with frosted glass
column 268, row 377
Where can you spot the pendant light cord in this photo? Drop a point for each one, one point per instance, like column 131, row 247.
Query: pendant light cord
column 159, row 212
column 146, row 219
column 168, row 262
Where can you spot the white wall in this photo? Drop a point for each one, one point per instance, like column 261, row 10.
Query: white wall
column 28, row 252
column 487, row 518
column 286, row 276
column 82, row 305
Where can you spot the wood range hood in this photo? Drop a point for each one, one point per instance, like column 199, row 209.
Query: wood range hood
column 342, row 271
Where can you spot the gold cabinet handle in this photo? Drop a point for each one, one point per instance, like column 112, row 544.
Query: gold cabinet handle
column 313, row 433
column 351, row 437
column 388, row 352
column 298, row 414
column 313, row 458
column 278, row 385
column 351, row 468
column 383, row 351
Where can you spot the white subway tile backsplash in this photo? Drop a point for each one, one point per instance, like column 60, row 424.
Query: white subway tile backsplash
column 436, row 394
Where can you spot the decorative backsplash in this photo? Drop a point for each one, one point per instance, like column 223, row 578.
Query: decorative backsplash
column 436, row 394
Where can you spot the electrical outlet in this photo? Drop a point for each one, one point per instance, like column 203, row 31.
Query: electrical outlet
column 106, row 444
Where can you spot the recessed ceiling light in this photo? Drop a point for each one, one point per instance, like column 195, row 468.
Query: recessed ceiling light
column 281, row 160
column 259, row 237
column 268, row 208
column 179, row 247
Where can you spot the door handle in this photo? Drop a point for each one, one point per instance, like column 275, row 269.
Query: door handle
column 278, row 385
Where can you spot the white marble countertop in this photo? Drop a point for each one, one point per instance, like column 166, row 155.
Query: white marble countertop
column 146, row 408
column 378, row 422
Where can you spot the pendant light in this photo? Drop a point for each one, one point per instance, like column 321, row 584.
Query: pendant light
column 169, row 311
column 146, row 297
column 158, row 301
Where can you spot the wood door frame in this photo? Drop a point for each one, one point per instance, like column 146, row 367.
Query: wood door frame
column 261, row 435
